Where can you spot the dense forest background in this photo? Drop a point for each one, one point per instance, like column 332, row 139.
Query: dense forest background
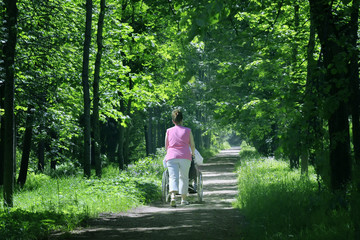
column 88, row 84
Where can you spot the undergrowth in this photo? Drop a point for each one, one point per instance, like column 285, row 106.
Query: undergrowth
column 61, row 202
column 279, row 203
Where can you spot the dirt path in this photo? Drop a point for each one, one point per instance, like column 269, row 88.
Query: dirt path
column 214, row 218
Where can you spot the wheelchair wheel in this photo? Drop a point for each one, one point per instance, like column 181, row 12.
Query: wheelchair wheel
column 200, row 187
column 165, row 195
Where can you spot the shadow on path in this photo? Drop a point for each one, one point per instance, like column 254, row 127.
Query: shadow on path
column 214, row 218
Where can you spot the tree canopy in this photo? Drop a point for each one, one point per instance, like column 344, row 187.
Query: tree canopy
column 281, row 75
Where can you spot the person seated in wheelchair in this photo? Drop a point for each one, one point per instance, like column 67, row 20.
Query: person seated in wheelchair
column 193, row 177
column 197, row 160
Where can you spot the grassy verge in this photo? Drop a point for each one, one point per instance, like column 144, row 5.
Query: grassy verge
column 49, row 204
column 280, row 204
column 210, row 152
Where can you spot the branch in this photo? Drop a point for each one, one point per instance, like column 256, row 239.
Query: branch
column 170, row 6
column 273, row 24
column 277, row 15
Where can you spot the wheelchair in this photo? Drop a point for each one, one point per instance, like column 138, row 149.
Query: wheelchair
column 195, row 183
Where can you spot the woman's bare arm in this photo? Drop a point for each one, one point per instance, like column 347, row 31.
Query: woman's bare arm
column 192, row 144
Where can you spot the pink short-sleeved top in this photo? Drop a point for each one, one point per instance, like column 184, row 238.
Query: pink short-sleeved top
column 178, row 142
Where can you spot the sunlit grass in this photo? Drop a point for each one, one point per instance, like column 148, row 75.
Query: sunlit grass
column 279, row 203
column 76, row 195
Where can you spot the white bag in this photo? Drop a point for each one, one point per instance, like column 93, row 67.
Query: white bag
column 164, row 162
column 198, row 158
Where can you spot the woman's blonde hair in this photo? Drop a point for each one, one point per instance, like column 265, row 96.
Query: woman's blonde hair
column 177, row 116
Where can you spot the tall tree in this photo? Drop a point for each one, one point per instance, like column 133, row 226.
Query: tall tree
column 96, row 122
column 309, row 113
column 86, row 90
column 26, row 146
column 9, row 123
column 333, row 35
column 2, row 131
column 354, row 78
column 355, row 104
column 127, row 131
column 120, row 146
column 149, row 134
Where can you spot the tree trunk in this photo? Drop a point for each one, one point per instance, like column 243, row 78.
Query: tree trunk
column 309, row 114
column 53, row 164
column 154, row 133
column 332, row 43
column 26, row 147
column 294, row 160
column 149, row 131
column 296, row 28
column 2, row 133
column 354, row 78
column 198, row 132
column 146, row 133
column 120, row 147
column 128, row 129
column 9, row 56
column 126, row 145
column 96, row 124
column 41, row 151
column 340, row 160
column 112, row 139
column 355, row 103
column 159, row 130
column 304, row 162
column 2, row 143
column 85, row 83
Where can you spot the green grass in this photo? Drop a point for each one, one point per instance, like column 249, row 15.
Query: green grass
column 280, row 204
column 210, row 152
column 47, row 204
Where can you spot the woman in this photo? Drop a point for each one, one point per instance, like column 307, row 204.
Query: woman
column 178, row 157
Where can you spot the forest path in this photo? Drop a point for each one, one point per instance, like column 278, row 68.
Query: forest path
column 214, row 218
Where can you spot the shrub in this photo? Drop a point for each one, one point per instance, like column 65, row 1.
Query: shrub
column 65, row 169
column 35, row 181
